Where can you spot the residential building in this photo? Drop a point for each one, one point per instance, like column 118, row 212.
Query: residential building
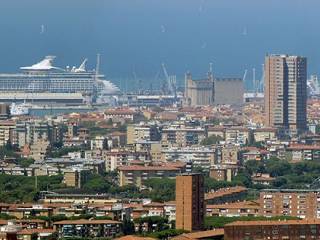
column 237, row 135
column 7, row 129
column 153, row 148
column 142, row 132
column 236, row 209
column 289, row 229
column 190, row 208
column 75, row 177
column 84, row 228
column 182, row 136
column 226, row 195
column 115, row 158
column 39, row 149
column 99, row 142
column 136, row 174
column 303, row 152
column 286, row 92
column 264, row 134
column 199, row 156
column 223, row 172
column 304, row 203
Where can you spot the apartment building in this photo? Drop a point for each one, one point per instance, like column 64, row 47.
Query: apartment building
column 30, row 132
column 200, row 156
column 304, row 204
column 7, row 129
column 264, row 134
column 99, row 142
column 286, row 92
column 289, row 229
column 237, row 135
column 301, row 152
column 153, row 148
column 84, row 228
column 182, row 136
column 136, row 175
column 142, row 132
column 190, row 209
column 115, row 158
column 75, row 177
column 223, row 172
column 236, row 209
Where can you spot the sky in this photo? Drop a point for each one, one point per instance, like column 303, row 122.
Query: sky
column 135, row 36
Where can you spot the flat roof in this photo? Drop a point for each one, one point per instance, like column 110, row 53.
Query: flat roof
column 274, row 222
column 290, row 190
column 202, row 234
column 225, row 192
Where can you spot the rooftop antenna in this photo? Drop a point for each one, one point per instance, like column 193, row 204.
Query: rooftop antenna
column 211, row 67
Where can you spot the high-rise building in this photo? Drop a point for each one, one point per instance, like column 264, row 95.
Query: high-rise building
column 286, row 92
column 190, row 208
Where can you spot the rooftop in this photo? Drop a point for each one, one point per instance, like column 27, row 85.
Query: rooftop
column 224, row 192
column 275, row 222
column 86, row 221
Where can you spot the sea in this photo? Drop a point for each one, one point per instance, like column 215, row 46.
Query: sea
column 134, row 37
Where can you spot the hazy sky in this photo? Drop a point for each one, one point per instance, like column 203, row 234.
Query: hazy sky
column 138, row 35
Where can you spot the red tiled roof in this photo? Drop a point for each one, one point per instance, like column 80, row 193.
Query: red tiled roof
column 202, row 234
column 147, row 168
column 35, row 230
column 86, row 221
column 303, row 147
column 224, row 191
column 131, row 237
column 275, row 222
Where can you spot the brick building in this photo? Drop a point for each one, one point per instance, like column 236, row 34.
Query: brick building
column 190, row 208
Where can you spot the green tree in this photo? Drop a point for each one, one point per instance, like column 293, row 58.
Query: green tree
column 128, row 227
column 213, row 139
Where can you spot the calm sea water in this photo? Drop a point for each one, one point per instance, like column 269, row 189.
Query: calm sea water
column 135, row 36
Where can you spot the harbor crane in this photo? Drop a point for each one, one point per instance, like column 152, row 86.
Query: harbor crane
column 171, row 81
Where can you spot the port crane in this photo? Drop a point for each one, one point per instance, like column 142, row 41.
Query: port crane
column 171, row 81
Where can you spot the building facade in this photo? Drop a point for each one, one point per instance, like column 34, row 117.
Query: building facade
column 286, row 92
column 199, row 92
column 304, row 204
column 190, row 208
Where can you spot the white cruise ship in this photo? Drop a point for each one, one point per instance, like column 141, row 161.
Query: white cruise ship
column 44, row 77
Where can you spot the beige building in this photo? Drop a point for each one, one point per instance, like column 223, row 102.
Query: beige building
column 286, row 92
column 75, row 177
column 142, row 132
column 223, row 172
column 136, row 174
column 182, row 136
column 229, row 154
column 264, row 134
column 39, row 149
column 237, row 135
column 152, row 148
column 190, row 208
column 7, row 129
column 199, row 92
column 115, row 158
